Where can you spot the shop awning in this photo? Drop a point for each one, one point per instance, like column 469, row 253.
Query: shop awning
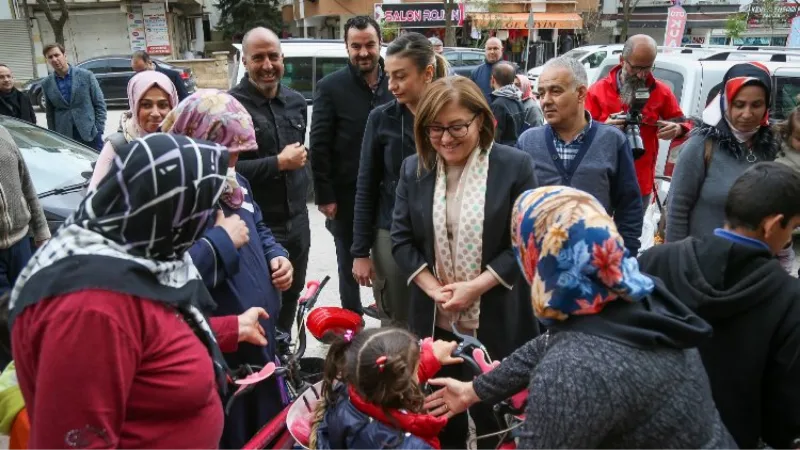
column 519, row 21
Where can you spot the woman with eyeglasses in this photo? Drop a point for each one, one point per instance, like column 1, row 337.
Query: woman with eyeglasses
column 451, row 234
column 411, row 65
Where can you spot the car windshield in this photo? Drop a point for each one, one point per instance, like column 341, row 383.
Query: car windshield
column 53, row 161
column 576, row 54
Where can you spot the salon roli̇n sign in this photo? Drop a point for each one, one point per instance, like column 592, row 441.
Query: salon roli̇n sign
column 418, row 15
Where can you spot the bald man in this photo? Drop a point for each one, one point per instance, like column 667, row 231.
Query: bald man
column 482, row 75
column 277, row 171
column 662, row 115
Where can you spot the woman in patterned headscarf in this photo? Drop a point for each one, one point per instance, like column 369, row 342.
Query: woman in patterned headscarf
column 237, row 254
column 111, row 347
column 618, row 367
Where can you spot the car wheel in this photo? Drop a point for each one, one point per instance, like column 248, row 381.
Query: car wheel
column 41, row 101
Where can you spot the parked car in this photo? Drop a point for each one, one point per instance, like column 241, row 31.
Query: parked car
column 112, row 73
column 464, row 60
column 60, row 167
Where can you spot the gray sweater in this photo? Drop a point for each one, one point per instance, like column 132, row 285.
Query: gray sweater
column 19, row 205
column 604, row 168
column 591, row 392
column 698, row 194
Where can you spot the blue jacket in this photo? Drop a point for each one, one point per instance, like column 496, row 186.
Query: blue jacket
column 482, row 76
column 345, row 427
column 86, row 110
column 603, row 167
column 238, row 280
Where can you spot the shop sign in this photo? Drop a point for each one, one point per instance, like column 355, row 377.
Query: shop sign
column 418, row 15
column 676, row 24
column 156, row 29
column 136, row 34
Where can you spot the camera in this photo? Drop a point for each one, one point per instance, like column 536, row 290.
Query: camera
column 633, row 121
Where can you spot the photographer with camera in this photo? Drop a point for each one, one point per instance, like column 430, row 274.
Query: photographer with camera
column 644, row 108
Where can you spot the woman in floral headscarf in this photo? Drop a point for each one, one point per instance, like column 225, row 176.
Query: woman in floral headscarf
column 237, row 253
column 618, row 367
column 151, row 95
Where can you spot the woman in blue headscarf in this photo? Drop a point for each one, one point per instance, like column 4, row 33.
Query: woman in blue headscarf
column 618, row 367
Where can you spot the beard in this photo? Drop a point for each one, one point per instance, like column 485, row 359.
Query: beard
column 630, row 84
column 365, row 65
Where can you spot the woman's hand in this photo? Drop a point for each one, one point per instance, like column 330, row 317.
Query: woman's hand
column 454, row 398
column 443, row 350
column 249, row 329
column 462, row 295
column 282, row 272
column 439, row 295
column 363, row 271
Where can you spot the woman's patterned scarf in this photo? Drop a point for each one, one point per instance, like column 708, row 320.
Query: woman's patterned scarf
column 571, row 254
column 464, row 263
column 216, row 116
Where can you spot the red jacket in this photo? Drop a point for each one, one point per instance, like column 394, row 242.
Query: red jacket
column 101, row 369
column 603, row 100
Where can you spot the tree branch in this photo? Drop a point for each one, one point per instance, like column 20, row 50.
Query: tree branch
column 65, row 12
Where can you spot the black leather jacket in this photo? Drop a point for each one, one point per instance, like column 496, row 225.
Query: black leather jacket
column 279, row 122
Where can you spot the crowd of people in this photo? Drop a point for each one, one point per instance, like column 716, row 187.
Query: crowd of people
column 469, row 205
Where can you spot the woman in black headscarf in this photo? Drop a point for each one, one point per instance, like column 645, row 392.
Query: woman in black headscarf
column 110, row 346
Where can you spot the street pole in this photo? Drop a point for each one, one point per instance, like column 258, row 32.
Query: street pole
column 530, row 33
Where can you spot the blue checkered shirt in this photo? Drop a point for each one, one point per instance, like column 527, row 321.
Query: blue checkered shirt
column 568, row 150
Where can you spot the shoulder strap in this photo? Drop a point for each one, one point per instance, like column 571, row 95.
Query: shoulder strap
column 708, row 153
column 117, row 140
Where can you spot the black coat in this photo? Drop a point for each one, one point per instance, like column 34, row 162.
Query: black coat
column 175, row 77
column 511, row 173
column 342, row 103
column 510, row 115
column 278, row 122
column 18, row 105
column 388, row 140
column 753, row 358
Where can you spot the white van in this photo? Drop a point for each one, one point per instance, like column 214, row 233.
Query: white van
column 692, row 82
column 591, row 56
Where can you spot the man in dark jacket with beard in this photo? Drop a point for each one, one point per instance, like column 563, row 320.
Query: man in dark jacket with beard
column 14, row 103
column 506, row 103
column 277, row 172
column 733, row 281
column 342, row 103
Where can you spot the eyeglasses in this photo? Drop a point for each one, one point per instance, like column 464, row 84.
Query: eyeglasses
column 456, row 131
column 640, row 69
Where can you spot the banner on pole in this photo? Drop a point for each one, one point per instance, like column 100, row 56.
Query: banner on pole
column 676, row 24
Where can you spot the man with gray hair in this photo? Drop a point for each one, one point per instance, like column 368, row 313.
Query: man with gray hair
column 572, row 149
column 662, row 117
column 437, row 44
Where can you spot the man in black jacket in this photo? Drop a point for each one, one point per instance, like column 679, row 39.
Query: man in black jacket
column 342, row 103
column 733, row 281
column 14, row 103
column 276, row 171
column 140, row 61
column 506, row 104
